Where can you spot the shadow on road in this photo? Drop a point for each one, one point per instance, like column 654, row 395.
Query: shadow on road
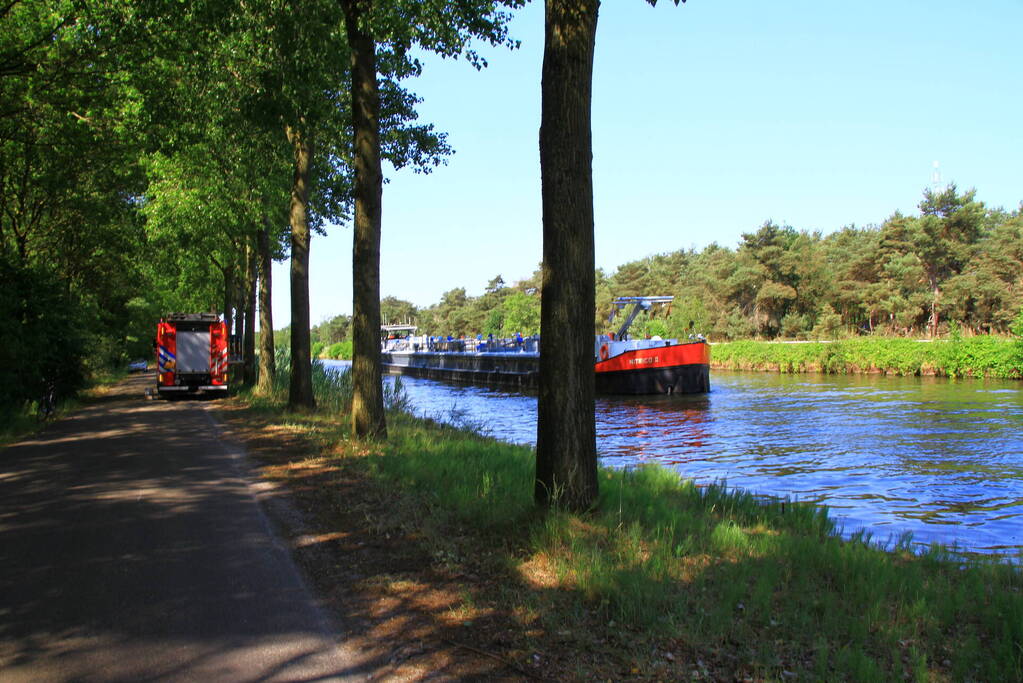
column 133, row 547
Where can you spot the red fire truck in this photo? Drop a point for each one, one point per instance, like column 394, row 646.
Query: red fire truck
column 191, row 354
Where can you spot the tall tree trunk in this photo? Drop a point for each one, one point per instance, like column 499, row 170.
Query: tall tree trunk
column 368, row 418
column 566, row 450
column 300, row 393
column 249, row 343
column 267, row 360
column 228, row 273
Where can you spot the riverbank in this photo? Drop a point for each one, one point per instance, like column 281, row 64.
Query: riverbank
column 981, row 356
column 436, row 529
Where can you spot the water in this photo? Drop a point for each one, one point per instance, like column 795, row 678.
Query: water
column 940, row 459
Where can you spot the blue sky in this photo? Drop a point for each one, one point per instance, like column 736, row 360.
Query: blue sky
column 708, row 119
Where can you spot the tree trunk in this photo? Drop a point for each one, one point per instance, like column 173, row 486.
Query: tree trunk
column 368, row 418
column 249, row 342
column 267, row 360
column 228, row 273
column 300, row 393
column 566, row 451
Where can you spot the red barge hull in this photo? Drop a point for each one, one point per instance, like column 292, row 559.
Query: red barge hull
column 669, row 369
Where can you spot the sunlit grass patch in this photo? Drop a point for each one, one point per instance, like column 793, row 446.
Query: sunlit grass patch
column 540, row 572
column 480, row 480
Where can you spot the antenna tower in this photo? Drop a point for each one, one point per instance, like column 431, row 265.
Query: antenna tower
column 936, row 185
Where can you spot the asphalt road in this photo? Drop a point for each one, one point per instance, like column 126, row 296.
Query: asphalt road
column 132, row 547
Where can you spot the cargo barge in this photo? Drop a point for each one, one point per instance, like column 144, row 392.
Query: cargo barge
column 621, row 365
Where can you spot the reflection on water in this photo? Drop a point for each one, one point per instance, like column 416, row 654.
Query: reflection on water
column 940, row 459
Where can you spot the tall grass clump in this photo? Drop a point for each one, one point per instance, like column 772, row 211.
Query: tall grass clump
column 332, row 387
column 653, row 529
column 465, row 476
column 333, row 390
column 282, row 379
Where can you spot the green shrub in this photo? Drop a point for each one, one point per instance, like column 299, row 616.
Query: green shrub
column 340, row 351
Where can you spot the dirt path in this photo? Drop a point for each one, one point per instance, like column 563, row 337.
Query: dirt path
column 132, row 547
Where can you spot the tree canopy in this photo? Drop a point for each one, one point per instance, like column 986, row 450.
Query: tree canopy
column 956, row 258
column 156, row 156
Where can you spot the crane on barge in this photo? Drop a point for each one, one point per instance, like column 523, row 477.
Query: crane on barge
column 649, row 366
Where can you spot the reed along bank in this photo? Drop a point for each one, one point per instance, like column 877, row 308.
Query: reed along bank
column 979, row 357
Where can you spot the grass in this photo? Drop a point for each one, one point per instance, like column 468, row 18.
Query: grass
column 17, row 422
column 980, row 356
column 667, row 579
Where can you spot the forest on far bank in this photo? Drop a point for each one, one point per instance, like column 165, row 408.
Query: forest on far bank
column 955, row 264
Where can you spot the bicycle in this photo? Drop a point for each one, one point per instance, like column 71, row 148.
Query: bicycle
column 47, row 405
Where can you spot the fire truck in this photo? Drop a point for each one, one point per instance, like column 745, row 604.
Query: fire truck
column 191, row 354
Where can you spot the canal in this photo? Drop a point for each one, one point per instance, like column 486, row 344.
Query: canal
column 939, row 459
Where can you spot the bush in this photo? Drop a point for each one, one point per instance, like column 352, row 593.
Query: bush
column 793, row 325
column 42, row 342
column 1017, row 326
column 340, row 351
column 829, row 324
